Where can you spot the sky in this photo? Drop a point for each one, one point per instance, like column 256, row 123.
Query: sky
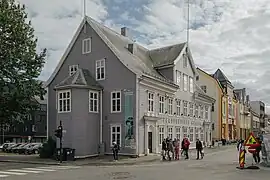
column 232, row 35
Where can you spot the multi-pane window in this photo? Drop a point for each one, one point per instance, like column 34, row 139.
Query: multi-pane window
column 201, row 111
column 185, row 63
column 178, row 78
column 150, row 102
column 116, row 101
column 202, row 135
column 191, row 109
column 178, row 107
column 86, row 46
column 185, row 131
column 170, row 106
column 73, row 69
column 230, row 109
column 185, row 78
column 160, row 134
column 196, row 110
column 170, row 132
column 196, row 133
column 191, row 87
column 161, row 104
column 64, row 101
column 185, row 108
column 93, row 101
column 191, row 134
column 178, row 132
column 100, row 69
column 116, row 134
column 206, row 112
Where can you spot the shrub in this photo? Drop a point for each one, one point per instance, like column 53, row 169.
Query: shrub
column 48, row 149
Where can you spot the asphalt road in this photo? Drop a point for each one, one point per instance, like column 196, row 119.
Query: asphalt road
column 217, row 165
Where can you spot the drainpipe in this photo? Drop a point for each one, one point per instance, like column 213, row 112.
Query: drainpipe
column 101, row 115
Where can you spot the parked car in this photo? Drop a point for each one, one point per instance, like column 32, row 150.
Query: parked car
column 16, row 149
column 4, row 146
column 21, row 149
column 9, row 148
column 33, row 149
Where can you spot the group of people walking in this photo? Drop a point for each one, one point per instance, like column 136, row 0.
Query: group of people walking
column 171, row 149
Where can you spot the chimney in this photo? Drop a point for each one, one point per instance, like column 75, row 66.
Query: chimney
column 124, row 31
column 131, row 48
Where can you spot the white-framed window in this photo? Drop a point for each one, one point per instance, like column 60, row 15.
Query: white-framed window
column 202, row 135
column 204, row 88
column 185, row 79
column 196, row 133
column 191, row 109
column 116, row 101
column 185, row 62
column 178, row 78
column 64, row 101
column 116, row 134
column 151, row 102
column 185, row 108
column 160, row 134
column 86, row 45
column 196, row 110
column 100, row 69
column 191, row 134
column 178, row 107
column 161, row 104
column 93, row 101
column 206, row 112
column 185, row 131
column 170, row 106
column 178, row 132
column 191, row 87
column 201, row 111
column 73, row 69
column 170, row 132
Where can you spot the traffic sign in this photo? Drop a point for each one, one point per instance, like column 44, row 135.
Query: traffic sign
column 251, row 140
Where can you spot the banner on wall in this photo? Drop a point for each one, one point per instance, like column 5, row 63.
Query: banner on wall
column 129, row 120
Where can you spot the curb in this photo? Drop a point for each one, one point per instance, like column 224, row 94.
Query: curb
column 30, row 162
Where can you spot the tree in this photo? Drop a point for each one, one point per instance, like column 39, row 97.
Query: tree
column 20, row 64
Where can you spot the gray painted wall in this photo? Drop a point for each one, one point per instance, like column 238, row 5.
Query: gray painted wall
column 118, row 77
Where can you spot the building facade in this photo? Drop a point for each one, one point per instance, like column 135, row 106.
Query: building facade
column 213, row 88
column 107, row 88
column 244, row 122
column 229, row 104
column 34, row 129
column 255, row 123
column 259, row 108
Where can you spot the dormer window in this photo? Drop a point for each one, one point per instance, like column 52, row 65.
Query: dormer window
column 185, row 61
column 86, row 46
column 178, row 78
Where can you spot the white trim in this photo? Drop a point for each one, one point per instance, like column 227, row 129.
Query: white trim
column 58, row 104
column 84, row 41
column 70, row 67
column 47, row 89
column 137, row 114
column 99, row 68
column 97, row 100
column 158, row 86
column 101, row 117
column 111, row 133
column 116, row 92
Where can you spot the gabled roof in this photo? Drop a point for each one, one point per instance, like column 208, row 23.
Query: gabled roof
column 220, row 76
column 82, row 78
column 142, row 61
column 211, row 76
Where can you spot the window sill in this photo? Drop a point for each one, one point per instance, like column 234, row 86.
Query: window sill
column 61, row 112
column 115, row 112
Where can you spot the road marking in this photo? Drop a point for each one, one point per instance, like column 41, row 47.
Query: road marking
column 12, row 173
column 2, row 176
column 60, row 167
column 39, row 169
column 25, row 171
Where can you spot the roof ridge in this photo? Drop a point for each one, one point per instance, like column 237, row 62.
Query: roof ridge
column 163, row 47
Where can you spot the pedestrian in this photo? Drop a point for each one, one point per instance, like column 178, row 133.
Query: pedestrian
column 177, row 149
column 164, row 149
column 170, row 150
column 199, row 148
column 186, row 147
column 182, row 147
column 256, row 154
column 115, row 150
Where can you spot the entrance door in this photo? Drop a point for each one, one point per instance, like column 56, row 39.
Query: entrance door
column 150, row 142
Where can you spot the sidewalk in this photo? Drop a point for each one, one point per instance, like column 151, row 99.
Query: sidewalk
column 96, row 161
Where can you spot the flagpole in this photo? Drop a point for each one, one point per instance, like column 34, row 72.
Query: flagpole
column 84, row 8
column 188, row 22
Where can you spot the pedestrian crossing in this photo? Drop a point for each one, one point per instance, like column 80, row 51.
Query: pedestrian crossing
column 35, row 170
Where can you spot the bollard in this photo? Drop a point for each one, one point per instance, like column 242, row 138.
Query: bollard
column 242, row 157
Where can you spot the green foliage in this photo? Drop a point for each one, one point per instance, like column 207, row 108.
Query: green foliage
column 48, row 149
column 20, row 64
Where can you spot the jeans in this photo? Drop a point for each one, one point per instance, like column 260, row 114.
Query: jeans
column 256, row 157
column 186, row 153
column 199, row 151
column 115, row 155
